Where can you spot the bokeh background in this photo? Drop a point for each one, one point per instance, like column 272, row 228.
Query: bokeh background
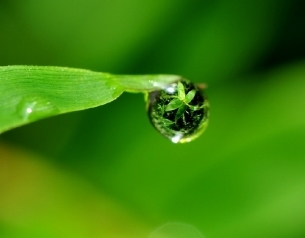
column 105, row 172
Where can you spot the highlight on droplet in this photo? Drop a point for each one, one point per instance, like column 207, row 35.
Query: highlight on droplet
column 29, row 110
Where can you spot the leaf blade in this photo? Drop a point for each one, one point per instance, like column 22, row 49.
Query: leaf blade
column 174, row 104
column 30, row 93
column 180, row 112
column 181, row 91
column 190, row 95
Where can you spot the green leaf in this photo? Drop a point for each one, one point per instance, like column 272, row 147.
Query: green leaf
column 29, row 93
column 181, row 91
column 167, row 122
column 174, row 104
column 195, row 108
column 180, row 112
column 190, row 95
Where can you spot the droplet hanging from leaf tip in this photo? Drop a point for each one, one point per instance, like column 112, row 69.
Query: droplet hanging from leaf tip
column 179, row 112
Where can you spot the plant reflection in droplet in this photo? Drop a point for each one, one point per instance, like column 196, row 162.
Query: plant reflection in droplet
column 180, row 111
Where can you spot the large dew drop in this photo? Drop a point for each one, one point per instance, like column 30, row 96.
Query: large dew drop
column 180, row 111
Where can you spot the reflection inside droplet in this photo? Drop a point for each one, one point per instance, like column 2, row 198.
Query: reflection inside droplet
column 182, row 114
column 170, row 90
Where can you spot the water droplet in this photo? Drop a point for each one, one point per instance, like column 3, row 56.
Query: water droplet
column 113, row 88
column 179, row 116
column 32, row 108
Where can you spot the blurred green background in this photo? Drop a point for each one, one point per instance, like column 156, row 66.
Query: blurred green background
column 105, row 172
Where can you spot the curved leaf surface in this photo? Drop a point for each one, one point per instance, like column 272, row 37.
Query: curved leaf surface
column 29, row 93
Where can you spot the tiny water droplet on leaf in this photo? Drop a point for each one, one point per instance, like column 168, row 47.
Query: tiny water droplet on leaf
column 32, row 108
column 179, row 112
